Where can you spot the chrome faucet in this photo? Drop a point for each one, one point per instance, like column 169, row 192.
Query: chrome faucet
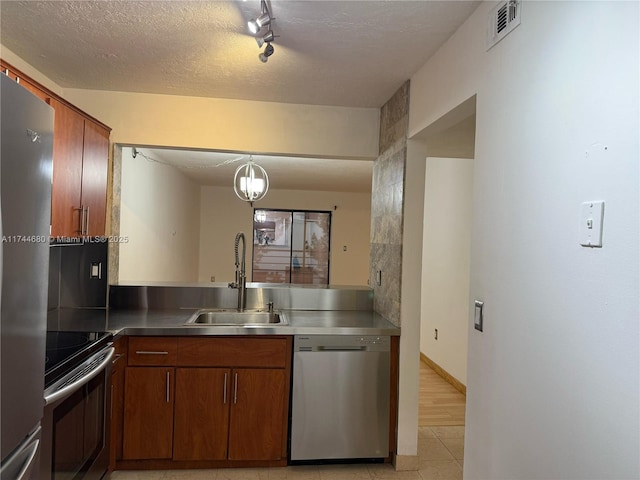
column 241, row 275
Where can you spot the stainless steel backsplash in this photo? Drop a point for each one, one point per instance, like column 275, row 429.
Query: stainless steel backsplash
column 289, row 297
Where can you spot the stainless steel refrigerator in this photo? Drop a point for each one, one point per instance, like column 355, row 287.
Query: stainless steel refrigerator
column 26, row 143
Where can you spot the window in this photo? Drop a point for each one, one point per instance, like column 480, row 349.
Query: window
column 291, row 246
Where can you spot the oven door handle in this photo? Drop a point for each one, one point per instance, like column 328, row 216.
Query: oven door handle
column 88, row 370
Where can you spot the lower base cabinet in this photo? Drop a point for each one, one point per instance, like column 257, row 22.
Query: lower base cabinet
column 148, row 413
column 198, row 410
column 255, row 431
column 201, row 414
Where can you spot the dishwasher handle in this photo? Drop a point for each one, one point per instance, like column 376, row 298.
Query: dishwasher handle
column 342, row 348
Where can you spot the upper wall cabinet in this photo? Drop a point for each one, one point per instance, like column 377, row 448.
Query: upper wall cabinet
column 80, row 165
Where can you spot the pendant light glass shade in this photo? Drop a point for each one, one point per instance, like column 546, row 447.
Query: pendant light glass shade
column 250, row 182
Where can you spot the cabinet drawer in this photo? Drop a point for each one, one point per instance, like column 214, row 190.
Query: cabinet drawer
column 232, row 352
column 145, row 351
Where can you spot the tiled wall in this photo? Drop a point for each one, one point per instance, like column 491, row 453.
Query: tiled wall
column 387, row 205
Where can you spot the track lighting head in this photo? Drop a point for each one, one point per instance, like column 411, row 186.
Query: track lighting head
column 266, row 38
column 268, row 51
column 256, row 24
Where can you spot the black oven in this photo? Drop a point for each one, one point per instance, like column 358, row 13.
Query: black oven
column 75, row 442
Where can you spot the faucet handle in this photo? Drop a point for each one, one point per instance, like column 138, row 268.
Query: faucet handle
column 270, row 306
column 233, row 285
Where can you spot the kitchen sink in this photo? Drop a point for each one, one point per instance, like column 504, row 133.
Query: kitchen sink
column 234, row 318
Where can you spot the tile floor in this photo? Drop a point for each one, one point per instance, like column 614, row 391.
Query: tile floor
column 440, row 450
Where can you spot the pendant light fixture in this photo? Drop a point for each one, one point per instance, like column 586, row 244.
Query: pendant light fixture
column 250, row 182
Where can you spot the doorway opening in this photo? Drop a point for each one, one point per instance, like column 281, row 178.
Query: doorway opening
column 449, row 151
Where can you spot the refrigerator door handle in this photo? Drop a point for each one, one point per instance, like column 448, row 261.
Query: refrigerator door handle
column 25, row 472
column 22, row 463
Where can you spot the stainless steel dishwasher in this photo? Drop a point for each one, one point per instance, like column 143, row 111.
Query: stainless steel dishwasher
column 340, row 397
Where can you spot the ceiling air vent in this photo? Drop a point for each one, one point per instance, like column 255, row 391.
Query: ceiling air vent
column 502, row 19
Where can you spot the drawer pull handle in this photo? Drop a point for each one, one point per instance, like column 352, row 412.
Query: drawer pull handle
column 116, row 358
column 235, row 389
column 168, row 376
column 224, row 390
column 148, row 352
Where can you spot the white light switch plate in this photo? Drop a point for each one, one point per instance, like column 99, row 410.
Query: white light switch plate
column 591, row 217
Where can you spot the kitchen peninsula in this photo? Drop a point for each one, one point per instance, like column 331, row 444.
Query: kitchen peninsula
column 176, row 384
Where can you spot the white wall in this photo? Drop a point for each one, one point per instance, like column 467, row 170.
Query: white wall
column 553, row 382
column 222, row 215
column 235, row 125
column 446, row 263
column 160, row 215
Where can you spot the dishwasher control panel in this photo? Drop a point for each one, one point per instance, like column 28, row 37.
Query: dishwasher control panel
column 329, row 343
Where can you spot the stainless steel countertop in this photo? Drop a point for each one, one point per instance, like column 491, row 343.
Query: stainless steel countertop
column 171, row 322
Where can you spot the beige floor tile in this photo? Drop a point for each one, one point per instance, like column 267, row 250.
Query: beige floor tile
column 344, row 472
column 301, row 472
column 243, row 474
column 449, row 432
column 191, row 475
column 455, row 446
column 138, row 475
column 386, row 471
column 433, row 450
column 441, row 470
column 426, row 432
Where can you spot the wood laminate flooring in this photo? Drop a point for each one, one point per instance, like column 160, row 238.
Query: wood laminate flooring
column 440, row 404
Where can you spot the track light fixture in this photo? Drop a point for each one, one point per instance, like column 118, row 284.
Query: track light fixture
column 268, row 51
column 266, row 38
column 256, row 24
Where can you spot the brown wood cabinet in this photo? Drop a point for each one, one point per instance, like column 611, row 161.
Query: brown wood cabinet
column 152, row 351
column 225, row 401
column 148, row 413
column 201, row 417
column 80, row 164
column 255, row 429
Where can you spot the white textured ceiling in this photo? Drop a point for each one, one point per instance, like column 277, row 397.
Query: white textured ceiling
column 343, row 53
column 348, row 53
column 285, row 173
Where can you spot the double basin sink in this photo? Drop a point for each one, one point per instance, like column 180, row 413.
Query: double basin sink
column 234, row 318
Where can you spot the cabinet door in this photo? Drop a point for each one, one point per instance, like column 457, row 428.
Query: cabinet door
column 148, row 413
column 201, row 418
column 66, row 194
column 257, row 414
column 95, row 162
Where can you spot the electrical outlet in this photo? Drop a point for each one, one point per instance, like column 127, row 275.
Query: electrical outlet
column 213, row 278
column 436, row 334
